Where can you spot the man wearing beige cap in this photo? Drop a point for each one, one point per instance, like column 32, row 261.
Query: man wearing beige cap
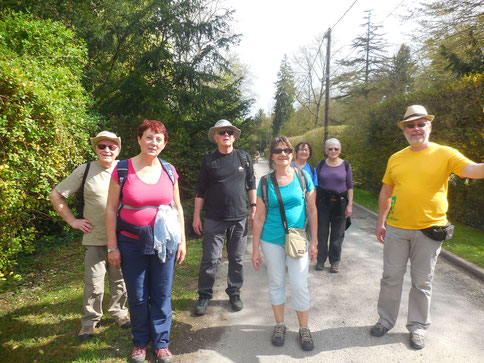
column 226, row 175
column 412, row 221
column 94, row 178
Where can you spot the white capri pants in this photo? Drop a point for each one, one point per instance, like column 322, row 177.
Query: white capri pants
column 297, row 272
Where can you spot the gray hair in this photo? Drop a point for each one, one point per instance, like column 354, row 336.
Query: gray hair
column 332, row 141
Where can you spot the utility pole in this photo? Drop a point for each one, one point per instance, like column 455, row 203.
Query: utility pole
column 326, row 109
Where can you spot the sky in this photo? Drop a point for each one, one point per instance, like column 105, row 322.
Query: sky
column 272, row 28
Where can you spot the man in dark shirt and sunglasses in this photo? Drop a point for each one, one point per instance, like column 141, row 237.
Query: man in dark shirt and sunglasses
column 412, row 221
column 226, row 175
column 96, row 184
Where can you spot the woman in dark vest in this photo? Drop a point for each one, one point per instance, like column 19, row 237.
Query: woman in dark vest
column 335, row 204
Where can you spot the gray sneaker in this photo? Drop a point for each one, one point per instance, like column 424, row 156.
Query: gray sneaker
column 201, row 306
column 417, row 341
column 319, row 266
column 278, row 335
column 306, row 339
column 378, row 330
column 86, row 333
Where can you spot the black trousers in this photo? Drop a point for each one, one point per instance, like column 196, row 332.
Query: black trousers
column 214, row 235
column 332, row 224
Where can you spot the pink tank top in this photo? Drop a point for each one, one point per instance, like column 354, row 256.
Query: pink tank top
column 137, row 193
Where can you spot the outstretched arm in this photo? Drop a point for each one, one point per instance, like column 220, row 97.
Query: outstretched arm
column 473, row 171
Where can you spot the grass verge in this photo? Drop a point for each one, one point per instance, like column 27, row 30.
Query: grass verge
column 40, row 315
column 466, row 243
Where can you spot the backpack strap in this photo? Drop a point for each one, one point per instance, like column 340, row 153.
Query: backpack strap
column 243, row 159
column 304, row 185
column 84, row 177
column 168, row 169
column 264, row 191
column 122, row 176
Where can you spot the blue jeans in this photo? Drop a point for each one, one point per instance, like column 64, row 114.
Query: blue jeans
column 149, row 283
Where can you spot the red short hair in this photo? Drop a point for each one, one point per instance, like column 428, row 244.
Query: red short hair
column 154, row 125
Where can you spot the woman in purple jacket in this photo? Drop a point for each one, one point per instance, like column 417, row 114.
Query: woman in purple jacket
column 334, row 202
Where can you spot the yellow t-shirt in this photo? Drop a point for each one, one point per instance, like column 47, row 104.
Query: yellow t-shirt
column 420, row 180
column 95, row 198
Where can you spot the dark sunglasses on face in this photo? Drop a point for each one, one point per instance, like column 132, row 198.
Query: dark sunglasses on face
column 228, row 132
column 110, row 147
column 333, row 149
column 412, row 125
column 279, row 151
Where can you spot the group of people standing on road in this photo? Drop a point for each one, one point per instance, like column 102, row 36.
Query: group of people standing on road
column 134, row 231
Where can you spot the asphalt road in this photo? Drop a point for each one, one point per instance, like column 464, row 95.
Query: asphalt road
column 343, row 308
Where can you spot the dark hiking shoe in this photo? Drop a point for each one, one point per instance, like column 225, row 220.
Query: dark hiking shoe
column 306, row 339
column 86, row 333
column 417, row 341
column 378, row 330
column 236, row 303
column 201, row 306
column 278, row 335
column 334, row 268
column 319, row 266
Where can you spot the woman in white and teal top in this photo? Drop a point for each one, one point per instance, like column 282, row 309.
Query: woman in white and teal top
column 269, row 236
column 302, row 153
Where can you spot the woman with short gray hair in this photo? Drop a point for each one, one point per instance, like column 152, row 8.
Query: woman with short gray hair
column 334, row 202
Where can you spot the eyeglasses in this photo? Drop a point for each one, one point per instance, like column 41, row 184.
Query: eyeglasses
column 280, row 151
column 419, row 124
column 333, row 149
column 228, row 132
column 110, row 147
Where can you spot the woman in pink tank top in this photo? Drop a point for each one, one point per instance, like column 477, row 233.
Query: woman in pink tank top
column 147, row 195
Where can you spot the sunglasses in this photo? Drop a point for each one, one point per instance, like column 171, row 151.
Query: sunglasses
column 279, row 151
column 412, row 125
column 110, row 147
column 228, row 132
column 333, row 149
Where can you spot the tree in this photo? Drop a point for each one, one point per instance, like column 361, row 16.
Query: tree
column 370, row 50
column 156, row 59
column 310, row 76
column 398, row 76
column 452, row 37
column 284, row 97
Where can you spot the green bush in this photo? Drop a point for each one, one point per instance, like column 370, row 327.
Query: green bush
column 44, row 125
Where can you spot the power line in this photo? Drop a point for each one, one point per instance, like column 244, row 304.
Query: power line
column 344, row 14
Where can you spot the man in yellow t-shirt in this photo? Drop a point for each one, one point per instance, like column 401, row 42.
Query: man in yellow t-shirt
column 107, row 146
column 414, row 197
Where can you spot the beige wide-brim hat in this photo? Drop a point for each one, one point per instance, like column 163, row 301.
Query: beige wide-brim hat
column 414, row 113
column 105, row 135
column 222, row 124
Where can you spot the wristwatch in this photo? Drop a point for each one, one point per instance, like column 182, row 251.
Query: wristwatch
column 112, row 249
column 253, row 205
